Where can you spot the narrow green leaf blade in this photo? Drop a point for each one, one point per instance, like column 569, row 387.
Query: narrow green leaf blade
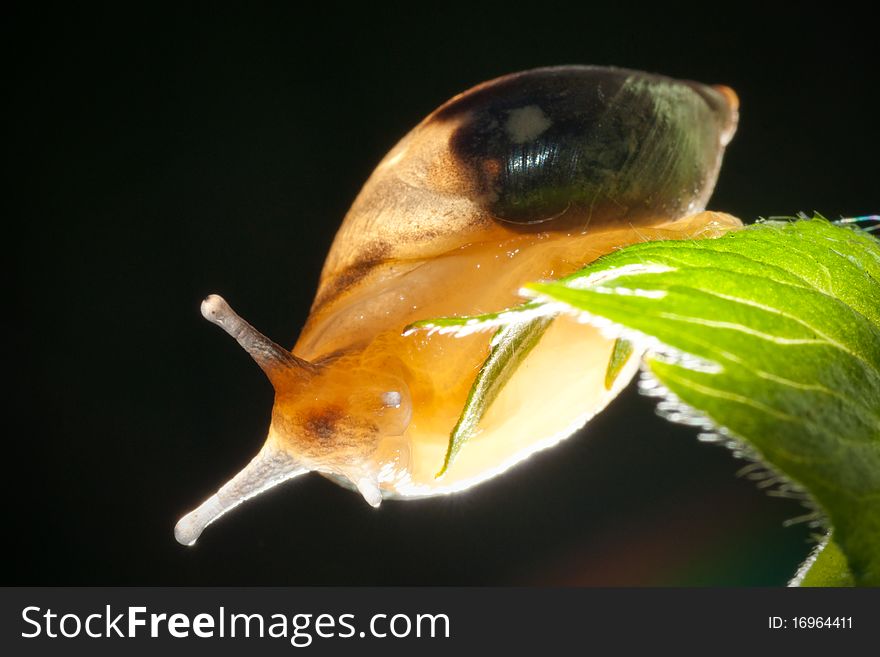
column 620, row 353
column 510, row 346
column 465, row 324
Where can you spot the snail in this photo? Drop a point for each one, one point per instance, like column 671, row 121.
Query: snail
column 529, row 176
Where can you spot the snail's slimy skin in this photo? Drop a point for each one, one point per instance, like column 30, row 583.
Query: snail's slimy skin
column 523, row 178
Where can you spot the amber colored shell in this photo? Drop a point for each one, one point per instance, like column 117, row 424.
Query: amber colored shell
column 552, row 147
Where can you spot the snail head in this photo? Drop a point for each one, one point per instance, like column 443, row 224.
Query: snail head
column 329, row 417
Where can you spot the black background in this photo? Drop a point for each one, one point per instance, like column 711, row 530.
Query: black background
column 158, row 155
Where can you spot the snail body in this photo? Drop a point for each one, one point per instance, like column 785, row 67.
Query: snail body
column 530, row 176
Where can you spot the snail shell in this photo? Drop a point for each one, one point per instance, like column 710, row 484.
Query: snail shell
column 526, row 177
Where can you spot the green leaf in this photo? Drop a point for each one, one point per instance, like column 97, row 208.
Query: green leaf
column 463, row 325
column 510, row 346
column 620, row 353
column 768, row 336
column 826, row 566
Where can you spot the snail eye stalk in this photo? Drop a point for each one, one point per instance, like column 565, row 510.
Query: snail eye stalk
column 278, row 363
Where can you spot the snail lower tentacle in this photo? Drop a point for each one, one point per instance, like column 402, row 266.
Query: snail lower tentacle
column 267, row 469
